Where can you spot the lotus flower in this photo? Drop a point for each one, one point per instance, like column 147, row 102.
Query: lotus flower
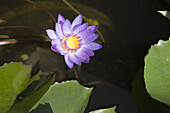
column 74, row 41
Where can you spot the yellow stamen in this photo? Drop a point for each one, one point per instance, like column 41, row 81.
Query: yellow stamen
column 71, row 43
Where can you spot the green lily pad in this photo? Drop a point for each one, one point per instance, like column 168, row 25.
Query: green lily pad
column 14, row 79
column 157, row 71
column 108, row 110
column 65, row 97
column 35, row 77
column 142, row 100
column 39, row 88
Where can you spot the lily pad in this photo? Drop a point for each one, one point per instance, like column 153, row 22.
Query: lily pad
column 37, row 90
column 108, row 110
column 157, row 71
column 65, row 97
column 142, row 100
column 14, row 79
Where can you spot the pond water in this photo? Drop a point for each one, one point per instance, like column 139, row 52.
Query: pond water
column 129, row 28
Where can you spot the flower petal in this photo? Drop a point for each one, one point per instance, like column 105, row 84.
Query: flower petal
column 59, row 49
column 68, row 62
column 56, row 41
column 80, row 28
column 81, row 54
column 59, row 30
column 54, row 49
column 67, row 27
column 90, row 38
column 85, row 61
column 52, row 34
column 92, row 46
column 89, row 51
column 84, row 34
column 74, row 59
column 60, row 19
column 93, row 28
column 75, row 27
column 77, row 20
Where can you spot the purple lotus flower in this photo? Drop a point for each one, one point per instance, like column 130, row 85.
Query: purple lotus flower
column 74, row 41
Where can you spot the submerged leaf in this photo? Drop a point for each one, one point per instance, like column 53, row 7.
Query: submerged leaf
column 24, row 57
column 2, row 21
column 157, row 71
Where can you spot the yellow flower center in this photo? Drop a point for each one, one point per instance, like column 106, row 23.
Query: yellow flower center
column 71, row 43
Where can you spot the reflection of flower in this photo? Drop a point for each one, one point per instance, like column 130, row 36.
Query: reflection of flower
column 74, row 41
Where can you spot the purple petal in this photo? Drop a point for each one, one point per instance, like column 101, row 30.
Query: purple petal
column 90, row 38
column 85, row 61
column 59, row 31
column 74, row 59
column 60, row 19
column 84, row 34
column 93, row 28
column 80, row 28
column 81, row 54
column 54, row 49
column 77, row 20
column 59, row 49
column 68, row 62
column 67, row 27
column 75, row 27
column 52, row 34
column 92, row 46
column 88, row 51
column 56, row 41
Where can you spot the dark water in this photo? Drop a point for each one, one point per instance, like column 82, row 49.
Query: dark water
column 129, row 29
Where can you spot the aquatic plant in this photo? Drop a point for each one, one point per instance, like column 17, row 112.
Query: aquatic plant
column 74, row 41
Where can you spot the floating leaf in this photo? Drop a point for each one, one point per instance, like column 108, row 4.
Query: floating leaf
column 43, row 108
column 65, row 97
column 157, row 71
column 143, row 101
column 14, row 79
column 165, row 13
column 108, row 110
column 35, row 77
column 23, row 106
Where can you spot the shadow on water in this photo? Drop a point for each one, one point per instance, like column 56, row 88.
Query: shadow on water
column 129, row 28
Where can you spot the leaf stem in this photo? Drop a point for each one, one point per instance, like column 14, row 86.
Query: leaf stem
column 86, row 19
column 75, row 72
column 45, row 10
column 85, row 84
column 11, row 27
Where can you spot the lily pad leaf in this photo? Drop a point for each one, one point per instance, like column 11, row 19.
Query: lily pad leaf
column 35, row 77
column 65, row 97
column 108, row 110
column 165, row 13
column 14, row 79
column 142, row 100
column 24, row 105
column 157, row 71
